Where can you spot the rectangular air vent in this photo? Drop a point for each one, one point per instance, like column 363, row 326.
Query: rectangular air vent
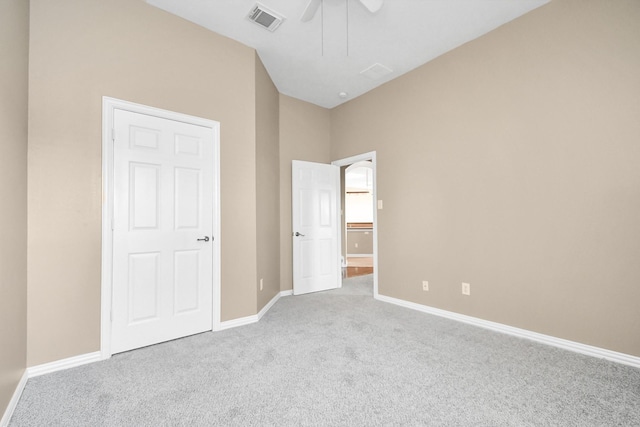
column 265, row 17
column 376, row 71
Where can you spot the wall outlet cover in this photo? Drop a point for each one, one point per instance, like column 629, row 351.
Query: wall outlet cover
column 466, row 289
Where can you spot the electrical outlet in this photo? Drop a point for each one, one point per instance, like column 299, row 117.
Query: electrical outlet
column 466, row 289
column 425, row 285
column 261, row 284
column 356, row 245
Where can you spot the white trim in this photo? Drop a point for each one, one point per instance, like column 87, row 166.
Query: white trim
column 576, row 347
column 109, row 105
column 60, row 365
column 234, row 323
column 355, row 159
column 15, row 398
column 268, row 306
column 359, row 256
column 373, row 158
column 242, row 321
column 107, row 233
column 274, row 300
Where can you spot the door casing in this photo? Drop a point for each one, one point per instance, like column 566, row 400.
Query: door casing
column 108, row 107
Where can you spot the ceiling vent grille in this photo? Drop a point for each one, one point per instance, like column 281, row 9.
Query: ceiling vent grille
column 376, row 71
column 265, row 17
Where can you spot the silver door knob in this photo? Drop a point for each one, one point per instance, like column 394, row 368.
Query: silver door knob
column 206, row 239
column 299, row 234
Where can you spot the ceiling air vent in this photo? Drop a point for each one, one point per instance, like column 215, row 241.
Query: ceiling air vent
column 265, row 17
column 376, row 71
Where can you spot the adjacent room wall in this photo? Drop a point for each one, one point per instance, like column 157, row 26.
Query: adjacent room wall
column 511, row 163
column 267, row 186
column 364, row 240
column 304, row 135
column 14, row 54
column 82, row 50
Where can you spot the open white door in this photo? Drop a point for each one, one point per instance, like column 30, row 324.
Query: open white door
column 316, row 227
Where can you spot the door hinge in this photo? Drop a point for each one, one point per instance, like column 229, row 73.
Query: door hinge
column 113, row 134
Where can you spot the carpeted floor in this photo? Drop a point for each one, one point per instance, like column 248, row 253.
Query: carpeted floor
column 339, row 358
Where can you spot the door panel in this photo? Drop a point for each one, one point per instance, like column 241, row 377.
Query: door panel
column 316, row 254
column 163, row 203
column 144, row 188
column 186, row 281
column 143, row 286
column 187, row 198
column 188, row 145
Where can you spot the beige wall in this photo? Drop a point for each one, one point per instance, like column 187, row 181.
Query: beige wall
column 511, row 163
column 14, row 54
column 521, row 146
column 362, row 238
column 304, row 135
column 268, row 186
column 81, row 50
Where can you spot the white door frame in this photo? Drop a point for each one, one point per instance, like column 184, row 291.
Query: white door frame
column 108, row 107
column 347, row 162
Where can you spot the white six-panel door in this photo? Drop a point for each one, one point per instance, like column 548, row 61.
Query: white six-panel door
column 162, row 230
column 316, row 228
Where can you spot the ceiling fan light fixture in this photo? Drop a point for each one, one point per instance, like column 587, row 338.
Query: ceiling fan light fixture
column 372, row 6
column 310, row 10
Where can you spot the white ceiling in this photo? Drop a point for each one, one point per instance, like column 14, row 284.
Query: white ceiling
column 314, row 61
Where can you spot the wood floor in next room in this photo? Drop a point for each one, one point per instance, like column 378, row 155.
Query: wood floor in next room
column 358, row 266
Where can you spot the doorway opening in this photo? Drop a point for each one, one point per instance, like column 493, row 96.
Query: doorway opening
column 358, row 219
column 359, row 231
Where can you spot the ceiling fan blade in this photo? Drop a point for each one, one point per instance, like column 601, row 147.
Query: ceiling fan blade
column 372, row 5
column 311, row 10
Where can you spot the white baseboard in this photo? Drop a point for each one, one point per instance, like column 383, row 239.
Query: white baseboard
column 268, row 306
column 83, row 359
column 13, row 403
column 359, row 255
column 234, row 323
column 272, row 302
column 577, row 347
column 59, row 365
column 242, row 321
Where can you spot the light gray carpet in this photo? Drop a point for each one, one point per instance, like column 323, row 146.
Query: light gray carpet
column 339, row 358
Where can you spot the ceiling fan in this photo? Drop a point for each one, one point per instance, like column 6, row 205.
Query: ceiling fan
column 371, row 5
